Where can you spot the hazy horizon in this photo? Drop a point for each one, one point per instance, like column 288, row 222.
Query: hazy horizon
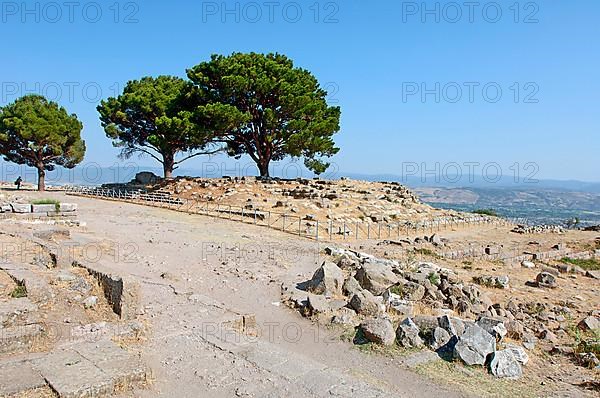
column 96, row 174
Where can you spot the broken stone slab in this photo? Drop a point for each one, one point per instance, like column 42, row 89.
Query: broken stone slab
column 383, row 262
column 19, row 338
column 68, row 207
column 293, row 296
column 73, row 376
column 21, row 208
column 328, row 280
column 436, row 240
column 16, row 306
column 50, row 234
column 19, row 377
column 345, row 316
column 589, row 323
column 317, row 304
column 345, row 262
column 396, row 305
column 503, row 281
column 428, row 267
column 493, row 326
column 426, row 323
column 365, row 303
column 454, row 326
column 49, row 253
column 528, row 264
column 351, row 287
column 413, row 291
column 42, row 209
column 379, row 330
column 546, row 279
column 518, row 352
column 593, row 274
column 90, row 302
column 439, row 338
column 124, row 368
column 88, row 370
column 505, row 365
column 65, row 276
column 407, row 334
column 38, row 290
column 551, row 270
column 421, row 278
column 474, row 346
column 376, row 277
column 529, row 341
column 515, row 329
column 335, row 252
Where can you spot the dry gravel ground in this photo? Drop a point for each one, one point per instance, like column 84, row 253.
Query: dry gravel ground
column 197, row 273
column 199, row 276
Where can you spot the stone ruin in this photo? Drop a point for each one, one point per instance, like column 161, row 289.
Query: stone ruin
column 382, row 300
column 60, row 322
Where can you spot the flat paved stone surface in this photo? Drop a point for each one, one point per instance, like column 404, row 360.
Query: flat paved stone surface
column 38, row 289
column 18, row 338
column 16, row 305
column 19, row 376
column 89, row 369
column 71, row 375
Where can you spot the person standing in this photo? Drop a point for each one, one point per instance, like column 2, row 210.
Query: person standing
column 18, row 183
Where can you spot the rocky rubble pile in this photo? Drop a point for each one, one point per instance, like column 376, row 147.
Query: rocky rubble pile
column 343, row 200
column 384, row 300
column 538, row 229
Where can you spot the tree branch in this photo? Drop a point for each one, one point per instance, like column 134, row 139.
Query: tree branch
column 198, row 154
column 139, row 149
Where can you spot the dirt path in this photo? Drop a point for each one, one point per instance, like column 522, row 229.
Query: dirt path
column 196, row 272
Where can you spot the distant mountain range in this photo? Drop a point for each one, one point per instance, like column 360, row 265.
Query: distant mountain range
column 480, row 182
column 532, row 206
column 516, row 197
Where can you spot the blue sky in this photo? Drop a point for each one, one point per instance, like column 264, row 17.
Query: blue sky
column 375, row 58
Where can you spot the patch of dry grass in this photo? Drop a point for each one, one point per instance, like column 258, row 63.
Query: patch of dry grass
column 476, row 380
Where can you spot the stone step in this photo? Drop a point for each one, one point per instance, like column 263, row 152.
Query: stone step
column 38, row 290
column 19, row 338
column 19, row 377
column 98, row 369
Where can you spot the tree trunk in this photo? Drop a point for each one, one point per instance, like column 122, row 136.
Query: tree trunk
column 41, row 179
column 168, row 165
column 263, row 167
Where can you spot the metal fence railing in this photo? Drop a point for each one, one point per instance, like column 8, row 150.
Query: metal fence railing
column 295, row 224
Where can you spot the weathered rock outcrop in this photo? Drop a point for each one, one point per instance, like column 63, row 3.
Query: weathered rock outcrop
column 474, row 346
